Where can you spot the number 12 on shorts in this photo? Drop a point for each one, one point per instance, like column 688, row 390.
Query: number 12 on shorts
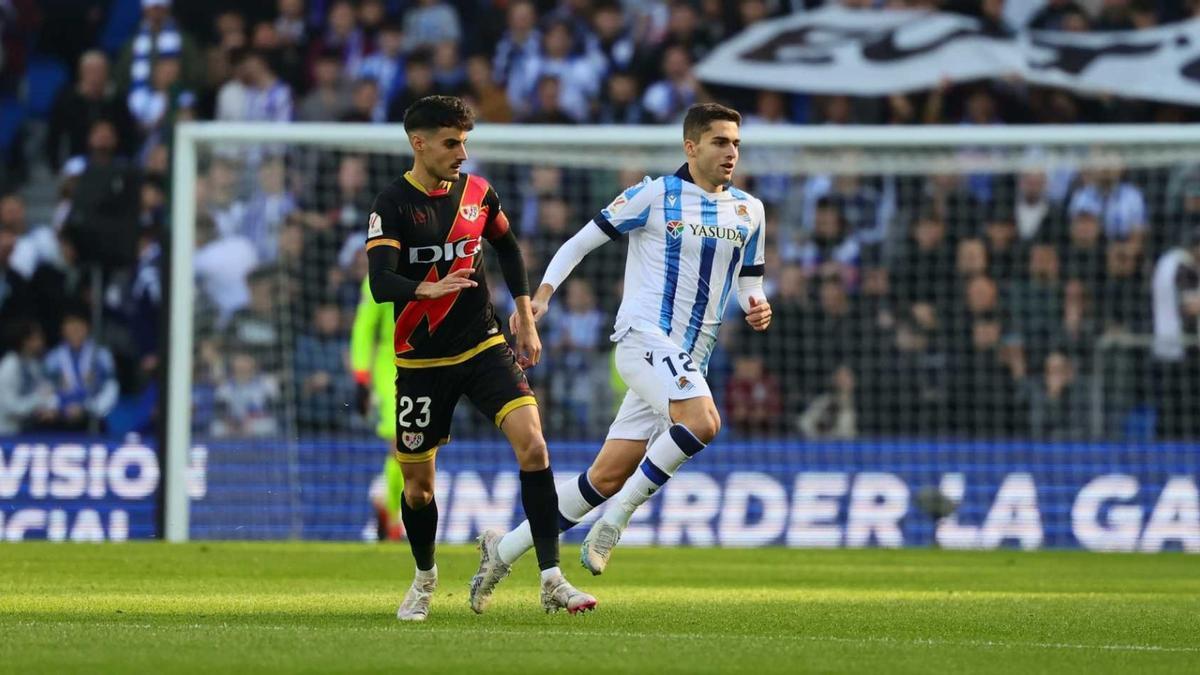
column 683, row 359
column 406, row 405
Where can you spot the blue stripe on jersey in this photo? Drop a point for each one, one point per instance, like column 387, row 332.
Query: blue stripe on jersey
column 672, row 210
column 632, row 190
column 631, row 224
column 733, row 263
column 738, row 194
column 752, row 246
column 708, row 251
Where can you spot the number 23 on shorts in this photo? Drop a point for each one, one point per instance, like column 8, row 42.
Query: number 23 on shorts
column 407, row 405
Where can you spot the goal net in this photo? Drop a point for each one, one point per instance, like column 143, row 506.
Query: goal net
column 981, row 336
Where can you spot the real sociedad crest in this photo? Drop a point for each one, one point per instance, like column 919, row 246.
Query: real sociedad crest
column 675, row 228
column 742, row 212
column 412, row 440
column 469, row 212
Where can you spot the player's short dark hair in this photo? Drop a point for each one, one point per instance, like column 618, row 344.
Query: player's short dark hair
column 438, row 112
column 701, row 116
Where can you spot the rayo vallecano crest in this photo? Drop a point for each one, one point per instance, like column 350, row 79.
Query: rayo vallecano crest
column 469, row 211
column 412, row 440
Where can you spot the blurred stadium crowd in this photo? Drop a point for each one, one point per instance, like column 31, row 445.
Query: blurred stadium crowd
column 940, row 305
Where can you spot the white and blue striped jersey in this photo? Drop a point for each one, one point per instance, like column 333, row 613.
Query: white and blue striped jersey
column 686, row 249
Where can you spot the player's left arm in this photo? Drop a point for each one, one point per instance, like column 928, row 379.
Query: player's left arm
column 750, row 295
column 512, row 266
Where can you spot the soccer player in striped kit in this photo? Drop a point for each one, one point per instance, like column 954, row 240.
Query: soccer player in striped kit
column 694, row 241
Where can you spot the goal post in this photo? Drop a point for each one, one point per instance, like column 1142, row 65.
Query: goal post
column 966, row 177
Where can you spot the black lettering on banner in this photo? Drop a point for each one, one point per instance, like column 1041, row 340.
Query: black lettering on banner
column 809, row 45
column 886, row 48
column 1074, row 59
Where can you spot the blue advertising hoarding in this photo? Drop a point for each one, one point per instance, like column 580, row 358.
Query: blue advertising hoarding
column 72, row 488
column 1113, row 496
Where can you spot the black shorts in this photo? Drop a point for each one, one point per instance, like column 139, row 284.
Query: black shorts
column 426, row 398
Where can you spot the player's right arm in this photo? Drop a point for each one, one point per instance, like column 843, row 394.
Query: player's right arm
column 384, row 243
column 750, row 292
column 628, row 212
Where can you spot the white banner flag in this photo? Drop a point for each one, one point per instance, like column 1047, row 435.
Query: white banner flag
column 875, row 53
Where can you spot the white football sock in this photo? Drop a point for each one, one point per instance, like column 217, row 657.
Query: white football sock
column 664, row 457
column 576, row 499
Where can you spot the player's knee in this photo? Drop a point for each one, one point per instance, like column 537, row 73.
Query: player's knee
column 704, row 423
column 608, row 479
column 418, row 496
column 533, row 455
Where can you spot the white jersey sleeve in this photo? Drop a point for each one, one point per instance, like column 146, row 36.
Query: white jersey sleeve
column 631, row 209
column 754, row 260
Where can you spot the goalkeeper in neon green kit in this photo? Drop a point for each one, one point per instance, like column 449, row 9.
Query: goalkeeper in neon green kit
column 372, row 359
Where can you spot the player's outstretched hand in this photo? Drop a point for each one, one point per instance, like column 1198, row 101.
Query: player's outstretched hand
column 451, row 283
column 514, row 319
column 759, row 316
column 529, row 345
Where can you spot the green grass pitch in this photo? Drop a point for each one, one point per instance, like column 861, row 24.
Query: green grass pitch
column 296, row 607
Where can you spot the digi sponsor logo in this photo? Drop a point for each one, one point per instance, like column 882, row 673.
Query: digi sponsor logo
column 464, row 248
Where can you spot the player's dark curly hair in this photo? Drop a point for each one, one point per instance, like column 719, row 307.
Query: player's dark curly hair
column 701, row 116
column 437, row 112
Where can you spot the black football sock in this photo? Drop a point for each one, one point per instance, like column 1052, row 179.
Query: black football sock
column 421, row 528
column 540, row 500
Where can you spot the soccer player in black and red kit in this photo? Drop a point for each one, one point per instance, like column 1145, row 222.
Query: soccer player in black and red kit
column 424, row 244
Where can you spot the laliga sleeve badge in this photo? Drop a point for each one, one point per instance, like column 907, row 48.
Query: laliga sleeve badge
column 374, row 225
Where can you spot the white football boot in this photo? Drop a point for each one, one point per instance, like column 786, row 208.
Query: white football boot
column 491, row 571
column 558, row 593
column 415, row 606
column 598, row 546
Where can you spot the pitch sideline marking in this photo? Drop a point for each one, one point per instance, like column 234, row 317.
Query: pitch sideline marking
column 918, row 642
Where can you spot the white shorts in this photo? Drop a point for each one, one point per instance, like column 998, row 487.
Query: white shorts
column 657, row 371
